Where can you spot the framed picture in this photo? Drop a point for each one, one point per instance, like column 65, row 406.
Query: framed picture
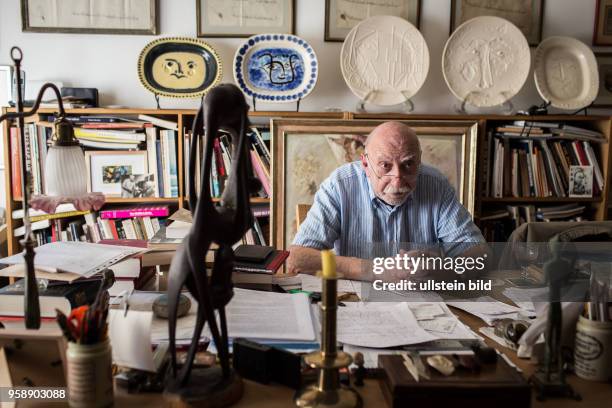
column 106, row 169
column 6, row 85
column 138, row 185
column 604, row 66
column 602, row 33
column 527, row 15
column 581, row 181
column 305, row 152
column 38, row 355
column 342, row 15
column 244, row 18
column 90, row 16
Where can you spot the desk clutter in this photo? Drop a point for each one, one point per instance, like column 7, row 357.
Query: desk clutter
column 416, row 349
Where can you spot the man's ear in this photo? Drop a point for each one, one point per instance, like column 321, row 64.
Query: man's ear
column 364, row 161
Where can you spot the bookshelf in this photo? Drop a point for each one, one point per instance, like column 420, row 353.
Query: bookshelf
column 597, row 207
column 182, row 117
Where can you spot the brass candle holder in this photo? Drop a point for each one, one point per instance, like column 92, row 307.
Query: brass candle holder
column 328, row 392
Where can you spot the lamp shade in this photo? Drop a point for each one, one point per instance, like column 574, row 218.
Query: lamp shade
column 65, row 171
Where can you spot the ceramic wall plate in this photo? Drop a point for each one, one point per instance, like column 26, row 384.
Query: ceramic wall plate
column 276, row 67
column 486, row 61
column 566, row 73
column 179, row 67
column 384, row 60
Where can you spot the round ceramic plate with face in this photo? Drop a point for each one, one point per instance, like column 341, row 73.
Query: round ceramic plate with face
column 486, row 61
column 384, row 60
column 565, row 72
column 179, row 67
column 276, row 67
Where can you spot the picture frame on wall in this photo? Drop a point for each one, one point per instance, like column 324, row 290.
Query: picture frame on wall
column 602, row 32
column 527, row 15
column 244, row 18
column 342, row 15
column 90, row 16
column 604, row 66
column 106, row 169
column 305, row 152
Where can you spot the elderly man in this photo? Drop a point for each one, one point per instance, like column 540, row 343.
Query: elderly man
column 388, row 197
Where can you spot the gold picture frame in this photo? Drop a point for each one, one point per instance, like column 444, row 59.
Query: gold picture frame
column 306, row 151
column 342, row 15
column 90, row 16
column 528, row 20
column 219, row 18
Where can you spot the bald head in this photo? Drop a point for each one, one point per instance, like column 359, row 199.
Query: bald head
column 393, row 136
column 391, row 162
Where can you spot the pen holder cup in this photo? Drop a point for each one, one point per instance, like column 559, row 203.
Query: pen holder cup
column 593, row 350
column 90, row 379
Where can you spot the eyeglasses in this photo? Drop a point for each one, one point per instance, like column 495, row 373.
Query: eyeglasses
column 384, row 169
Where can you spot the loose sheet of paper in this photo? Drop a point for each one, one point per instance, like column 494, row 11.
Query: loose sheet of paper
column 312, row 283
column 130, row 336
column 82, row 258
column 487, row 309
column 370, row 325
column 525, row 297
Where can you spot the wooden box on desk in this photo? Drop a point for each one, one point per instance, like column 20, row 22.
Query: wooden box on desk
column 496, row 385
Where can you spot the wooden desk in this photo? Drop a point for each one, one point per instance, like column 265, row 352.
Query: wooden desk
column 256, row 395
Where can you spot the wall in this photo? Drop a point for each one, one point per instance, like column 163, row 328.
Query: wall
column 108, row 62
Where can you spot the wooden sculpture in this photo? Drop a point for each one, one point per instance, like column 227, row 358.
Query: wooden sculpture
column 224, row 223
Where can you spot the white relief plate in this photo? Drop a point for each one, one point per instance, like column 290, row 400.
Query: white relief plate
column 384, row 60
column 486, row 61
column 565, row 72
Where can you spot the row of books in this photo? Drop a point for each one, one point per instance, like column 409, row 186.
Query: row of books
column 102, row 133
column 68, row 224
column 221, row 164
column 497, row 225
column 540, row 167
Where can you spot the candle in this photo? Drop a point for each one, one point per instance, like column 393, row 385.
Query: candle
column 329, row 264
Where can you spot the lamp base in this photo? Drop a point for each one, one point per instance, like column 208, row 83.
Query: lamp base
column 343, row 397
column 206, row 389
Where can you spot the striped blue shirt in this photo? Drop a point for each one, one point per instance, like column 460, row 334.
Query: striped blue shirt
column 346, row 215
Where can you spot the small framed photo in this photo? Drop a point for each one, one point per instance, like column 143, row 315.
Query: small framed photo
column 342, row 15
column 90, row 16
column 137, row 185
column 107, row 169
column 244, row 18
column 527, row 15
column 581, row 181
column 602, row 33
column 604, row 66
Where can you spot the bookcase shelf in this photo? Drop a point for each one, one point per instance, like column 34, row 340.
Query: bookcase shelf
column 541, row 200
column 597, row 207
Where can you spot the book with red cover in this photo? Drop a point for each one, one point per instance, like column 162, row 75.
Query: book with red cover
column 269, row 264
column 15, row 164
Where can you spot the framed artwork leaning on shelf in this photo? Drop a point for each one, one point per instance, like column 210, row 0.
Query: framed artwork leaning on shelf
column 90, row 16
column 107, row 170
column 342, row 15
column 602, row 32
column 306, row 151
column 244, row 18
column 527, row 15
column 604, row 66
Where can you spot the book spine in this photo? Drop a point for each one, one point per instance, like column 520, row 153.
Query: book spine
column 15, row 164
column 132, row 213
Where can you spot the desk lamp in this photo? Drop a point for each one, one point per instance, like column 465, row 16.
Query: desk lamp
column 65, row 175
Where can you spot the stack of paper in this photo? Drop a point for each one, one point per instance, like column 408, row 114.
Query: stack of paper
column 379, row 325
column 312, row 283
